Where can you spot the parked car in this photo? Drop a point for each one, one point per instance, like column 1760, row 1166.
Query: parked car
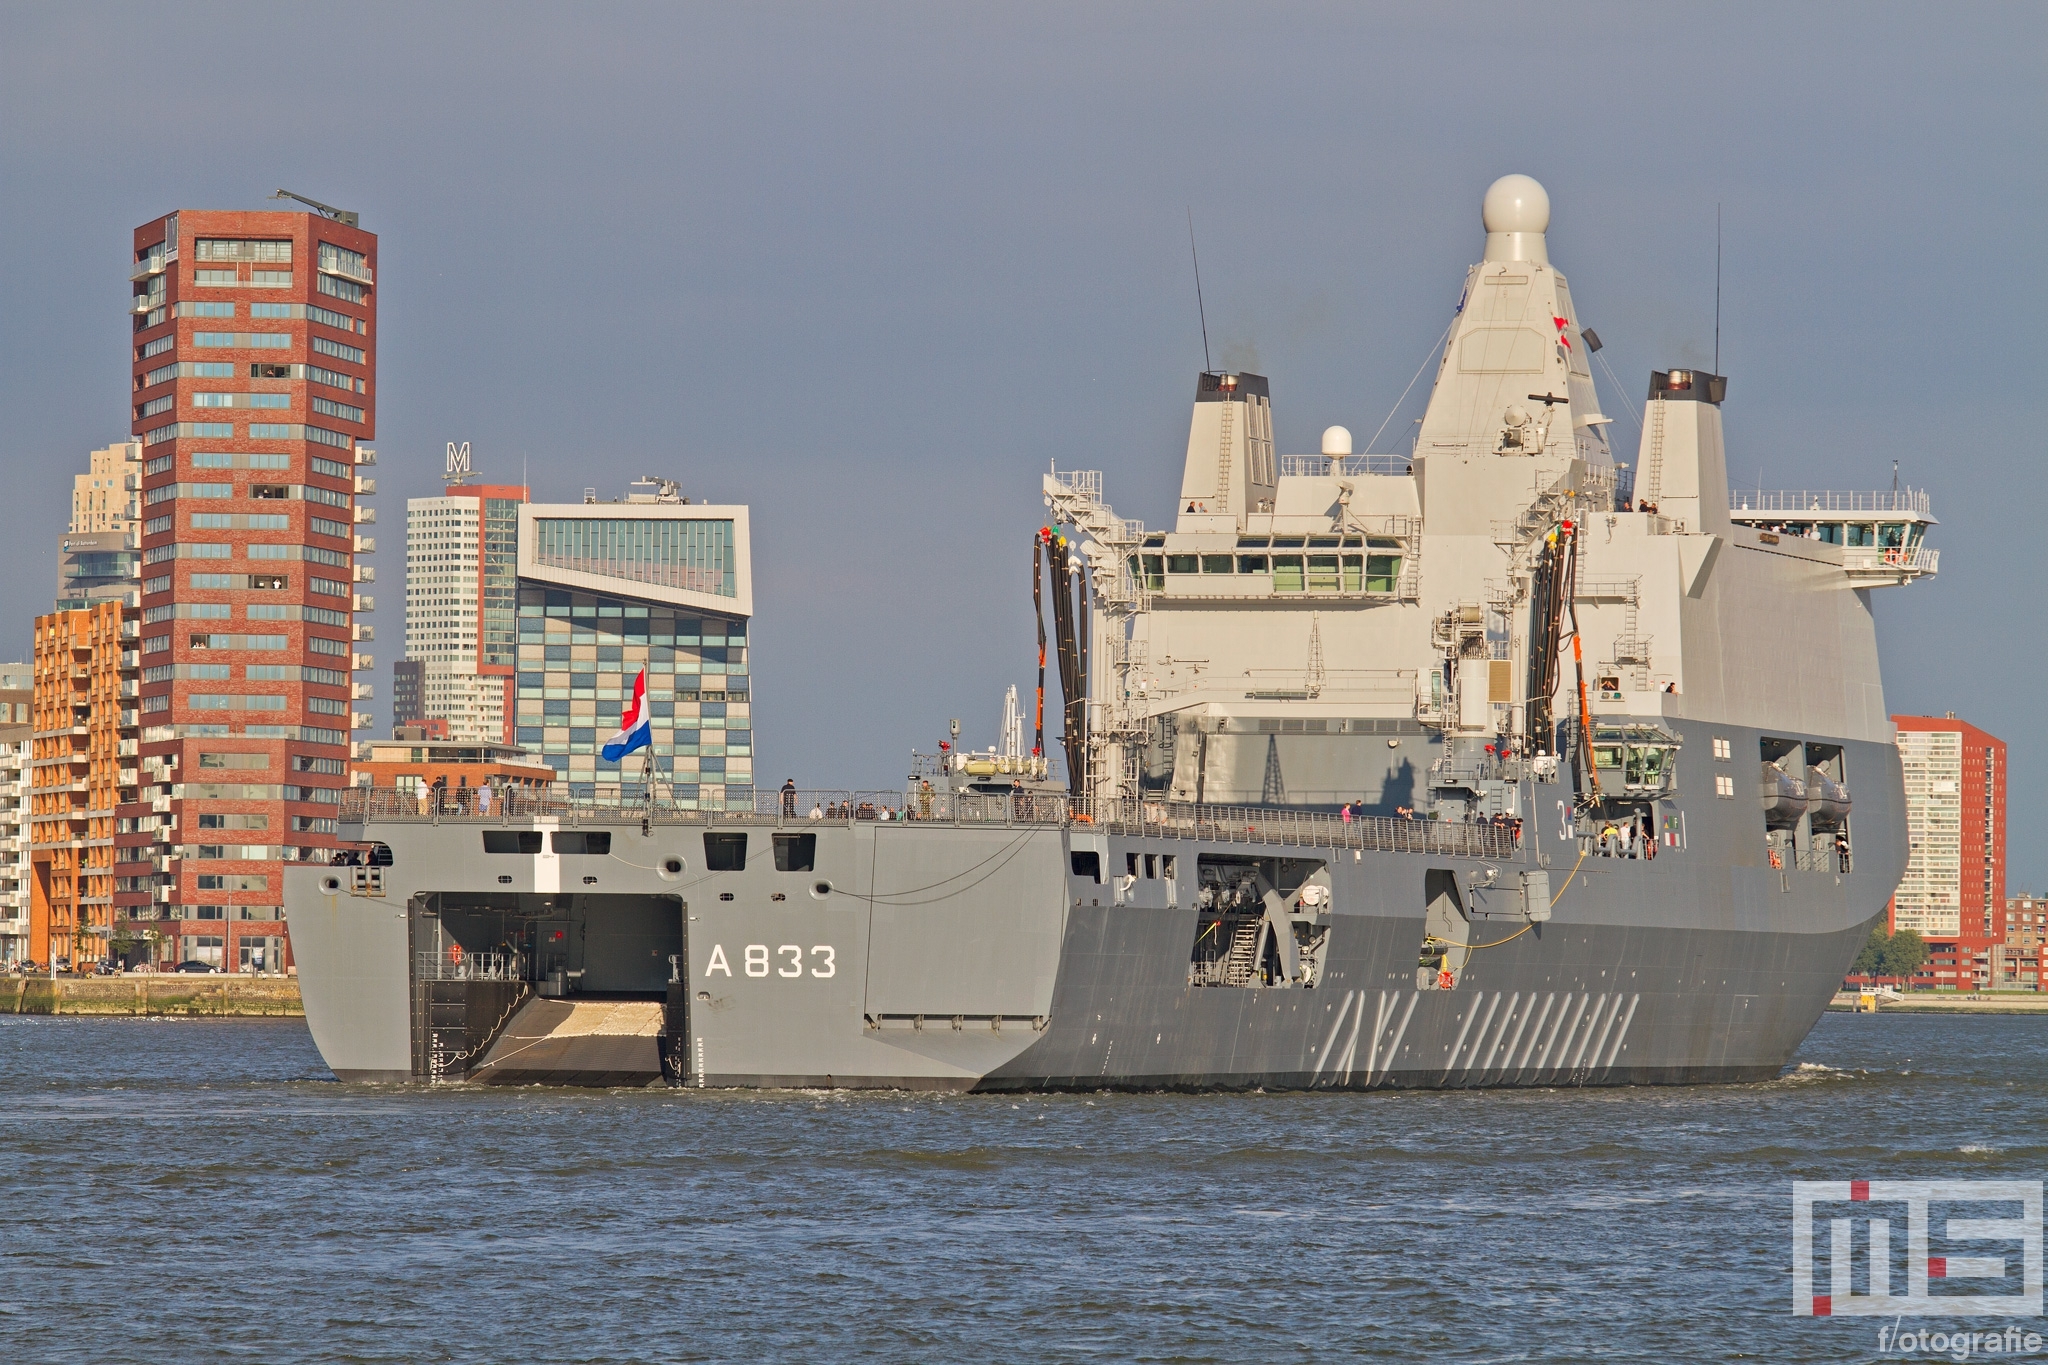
column 194, row 965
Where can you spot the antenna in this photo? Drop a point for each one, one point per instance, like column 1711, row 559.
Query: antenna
column 343, row 216
column 1717, row 288
column 1199, row 309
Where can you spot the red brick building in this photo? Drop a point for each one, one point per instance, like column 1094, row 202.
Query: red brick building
column 1953, row 890
column 254, row 373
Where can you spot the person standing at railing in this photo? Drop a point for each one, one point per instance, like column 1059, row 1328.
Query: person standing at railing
column 483, row 797
column 789, row 798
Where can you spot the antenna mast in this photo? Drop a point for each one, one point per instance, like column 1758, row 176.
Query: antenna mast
column 1717, row 289
column 345, row 217
column 1199, row 309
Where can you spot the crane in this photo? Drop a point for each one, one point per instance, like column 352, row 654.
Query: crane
column 345, row 217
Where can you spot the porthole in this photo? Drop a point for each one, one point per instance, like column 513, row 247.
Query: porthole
column 820, row 890
column 330, row 886
column 670, row 869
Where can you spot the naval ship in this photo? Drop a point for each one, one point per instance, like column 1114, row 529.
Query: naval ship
column 1497, row 762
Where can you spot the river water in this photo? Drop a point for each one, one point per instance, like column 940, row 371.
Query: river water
column 202, row 1190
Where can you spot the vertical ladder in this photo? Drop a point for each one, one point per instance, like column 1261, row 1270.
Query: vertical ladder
column 1223, row 455
column 1652, row 484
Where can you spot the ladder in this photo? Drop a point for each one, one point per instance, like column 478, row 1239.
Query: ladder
column 1651, row 485
column 1243, row 957
column 1227, row 448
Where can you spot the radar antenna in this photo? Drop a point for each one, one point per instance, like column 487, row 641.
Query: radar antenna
column 345, row 217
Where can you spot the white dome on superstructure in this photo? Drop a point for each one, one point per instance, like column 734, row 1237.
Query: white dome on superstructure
column 1516, row 211
column 1336, row 440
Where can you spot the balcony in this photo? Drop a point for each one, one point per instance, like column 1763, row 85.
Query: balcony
column 154, row 264
column 365, row 487
column 345, row 269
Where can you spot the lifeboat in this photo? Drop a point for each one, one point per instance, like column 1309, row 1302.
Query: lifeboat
column 1827, row 800
column 1784, row 798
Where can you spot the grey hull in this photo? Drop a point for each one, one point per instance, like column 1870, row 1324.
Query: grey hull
column 935, row 956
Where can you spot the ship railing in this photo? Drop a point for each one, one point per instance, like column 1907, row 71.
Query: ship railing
column 1809, row 501
column 1285, row 825
column 1157, row 819
column 1344, row 466
column 1894, row 560
column 456, row 965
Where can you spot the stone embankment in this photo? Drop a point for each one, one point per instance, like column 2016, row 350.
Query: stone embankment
column 1948, row 1002
column 148, row 994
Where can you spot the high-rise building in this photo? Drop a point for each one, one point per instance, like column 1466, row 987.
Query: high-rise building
column 1954, row 885
column 85, row 746
column 99, row 556
column 606, row 589
column 408, row 677
column 461, row 602
column 255, row 389
column 17, row 701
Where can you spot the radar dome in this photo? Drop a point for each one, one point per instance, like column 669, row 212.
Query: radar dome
column 1516, row 203
column 1517, row 214
column 1337, row 441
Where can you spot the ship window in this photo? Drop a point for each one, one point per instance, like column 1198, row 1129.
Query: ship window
column 511, row 841
column 1286, row 573
column 1831, row 532
column 1354, row 572
column 1130, row 864
column 597, row 841
column 1352, row 542
column 1251, row 563
column 1322, row 573
column 796, row 852
column 1087, row 864
column 1151, row 867
column 1891, row 535
column 1215, row 563
column 1607, row 755
column 725, row 852
column 1251, row 542
column 1287, row 542
column 1323, row 543
column 1155, row 573
column 1183, row 563
column 1381, row 571
column 1862, row 533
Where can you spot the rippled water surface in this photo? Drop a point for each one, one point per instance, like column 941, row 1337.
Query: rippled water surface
column 204, row 1190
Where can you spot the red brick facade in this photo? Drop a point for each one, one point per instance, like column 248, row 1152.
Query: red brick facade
column 254, row 364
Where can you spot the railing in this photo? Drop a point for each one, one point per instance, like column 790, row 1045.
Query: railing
column 456, row 965
column 1344, row 466
column 1893, row 561
column 1153, row 819
column 1809, row 502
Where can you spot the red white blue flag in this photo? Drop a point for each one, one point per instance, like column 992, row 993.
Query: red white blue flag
column 636, row 727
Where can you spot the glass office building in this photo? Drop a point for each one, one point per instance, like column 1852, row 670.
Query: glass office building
column 607, row 589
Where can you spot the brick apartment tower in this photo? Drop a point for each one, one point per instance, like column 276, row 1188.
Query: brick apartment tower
column 1953, row 890
column 254, row 388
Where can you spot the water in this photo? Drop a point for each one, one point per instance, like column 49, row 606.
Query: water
column 182, row 1191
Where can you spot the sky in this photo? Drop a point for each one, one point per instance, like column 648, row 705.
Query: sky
column 871, row 269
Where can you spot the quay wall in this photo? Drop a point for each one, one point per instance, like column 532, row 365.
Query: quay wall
column 145, row 995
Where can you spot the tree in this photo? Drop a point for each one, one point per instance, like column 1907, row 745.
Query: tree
column 1870, row 959
column 1904, row 954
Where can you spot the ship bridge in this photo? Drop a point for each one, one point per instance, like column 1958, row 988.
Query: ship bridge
column 1879, row 533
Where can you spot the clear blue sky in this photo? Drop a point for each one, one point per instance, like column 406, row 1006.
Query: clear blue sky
column 869, row 268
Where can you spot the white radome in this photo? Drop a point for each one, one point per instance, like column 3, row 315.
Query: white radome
column 1337, row 441
column 1516, row 203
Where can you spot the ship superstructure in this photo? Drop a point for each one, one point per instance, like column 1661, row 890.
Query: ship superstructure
column 1497, row 761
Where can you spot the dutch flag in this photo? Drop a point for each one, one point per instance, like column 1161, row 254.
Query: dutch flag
column 636, row 729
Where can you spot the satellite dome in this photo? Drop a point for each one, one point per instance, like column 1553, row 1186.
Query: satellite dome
column 1337, row 441
column 1517, row 214
column 1516, row 203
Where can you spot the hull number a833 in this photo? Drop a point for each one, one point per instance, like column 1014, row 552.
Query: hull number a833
column 788, row 960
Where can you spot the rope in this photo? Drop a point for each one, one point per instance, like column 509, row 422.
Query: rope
column 1411, row 383
column 1475, row 947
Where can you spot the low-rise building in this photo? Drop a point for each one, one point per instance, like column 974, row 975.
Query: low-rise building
column 414, row 763
column 2016, row 957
